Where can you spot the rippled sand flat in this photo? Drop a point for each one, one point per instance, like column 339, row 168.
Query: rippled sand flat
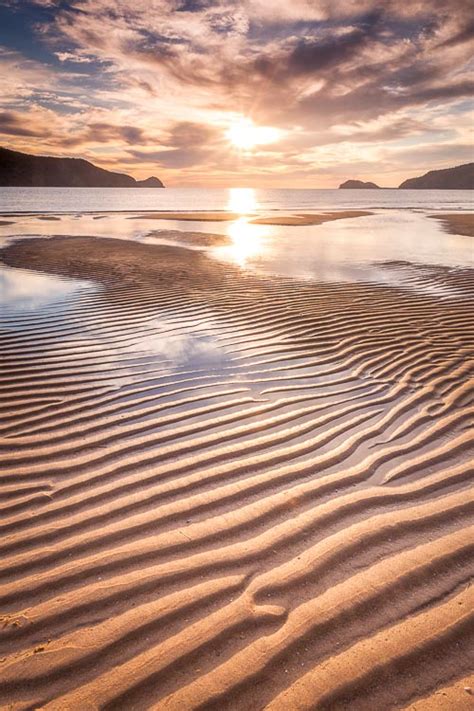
column 229, row 490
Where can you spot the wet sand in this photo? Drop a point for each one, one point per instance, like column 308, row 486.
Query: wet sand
column 309, row 219
column 282, row 220
column 197, row 239
column 223, row 216
column 222, row 490
column 457, row 223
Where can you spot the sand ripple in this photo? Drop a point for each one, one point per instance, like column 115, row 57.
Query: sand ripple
column 222, row 491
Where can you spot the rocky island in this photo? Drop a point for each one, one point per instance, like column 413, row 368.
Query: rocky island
column 461, row 177
column 358, row 185
column 24, row 170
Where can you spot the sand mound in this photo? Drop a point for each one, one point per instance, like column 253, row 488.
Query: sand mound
column 457, row 223
column 224, row 491
column 309, row 219
column 188, row 216
column 282, row 220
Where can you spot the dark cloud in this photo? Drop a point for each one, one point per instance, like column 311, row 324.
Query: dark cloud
column 194, row 5
column 313, row 55
column 371, row 101
column 399, row 128
column 101, row 132
column 188, row 133
column 434, row 156
column 174, row 158
column 187, row 144
column 16, row 124
column 456, row 90
column 465, row 34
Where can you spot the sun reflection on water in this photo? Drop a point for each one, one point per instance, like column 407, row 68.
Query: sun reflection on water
column 246, row 238
column 242, row 200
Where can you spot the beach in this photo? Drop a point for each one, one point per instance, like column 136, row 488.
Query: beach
column 236, row 356
column 225, row 488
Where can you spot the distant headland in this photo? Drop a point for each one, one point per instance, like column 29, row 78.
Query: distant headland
column 24, row 170
column 460, row 177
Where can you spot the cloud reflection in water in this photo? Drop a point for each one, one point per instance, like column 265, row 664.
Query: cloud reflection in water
column 22, row 289
column 190, row 350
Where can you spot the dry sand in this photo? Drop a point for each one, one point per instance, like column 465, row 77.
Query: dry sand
column 289, row 527
column 457, row 223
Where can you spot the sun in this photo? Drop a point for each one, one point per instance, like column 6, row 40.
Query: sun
column 246, row 135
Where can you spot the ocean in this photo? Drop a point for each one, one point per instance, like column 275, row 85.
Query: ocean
column 379, row 248
column 189, row 199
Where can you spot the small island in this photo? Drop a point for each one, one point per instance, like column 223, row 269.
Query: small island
column 358, row 185
column 23, row 170
column 461, row 177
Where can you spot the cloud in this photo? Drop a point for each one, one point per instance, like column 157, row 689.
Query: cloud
column 102, row 132
column 186, row 144
column 464, row 34
column 159, row 82
column 71, row 57
column 15, row 124
column 21, row 77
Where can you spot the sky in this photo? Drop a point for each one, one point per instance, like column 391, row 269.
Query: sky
column 249, row 93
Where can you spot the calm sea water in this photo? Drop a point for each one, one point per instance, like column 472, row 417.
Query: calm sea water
column 383, row 247
column 188, row 199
